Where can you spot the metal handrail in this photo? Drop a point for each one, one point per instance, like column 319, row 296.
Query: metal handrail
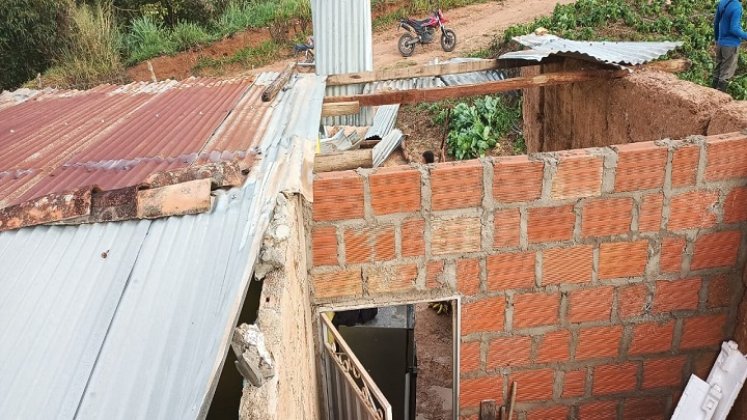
column 344, row 357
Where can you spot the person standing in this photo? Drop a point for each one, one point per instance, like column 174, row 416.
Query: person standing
column 727, row 28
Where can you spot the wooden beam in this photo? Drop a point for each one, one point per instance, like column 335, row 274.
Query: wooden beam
column 274, row 88
column 340, row 108
column 352, row 159
column 414, row 96
column 488, row 410
column 679, row 65
column 412, row 72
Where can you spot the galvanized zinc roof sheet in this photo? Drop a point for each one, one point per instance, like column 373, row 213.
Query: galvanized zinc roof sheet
column 630, row 53
column 132, row 319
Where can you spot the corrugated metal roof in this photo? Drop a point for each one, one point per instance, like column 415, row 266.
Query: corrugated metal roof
column 386, row 146
column 622, row 53
column 58, row 294
column 343, row 43
column 117, row 136
column 473, row 78
column 132, row 319
column 383, row 122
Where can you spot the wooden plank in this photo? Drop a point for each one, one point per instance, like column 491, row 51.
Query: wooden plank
column 352, row 159
column 679, row 65
column 274, row 88
column 414, row 96
column 488, row 410
column 412, row 72
column 340, row 109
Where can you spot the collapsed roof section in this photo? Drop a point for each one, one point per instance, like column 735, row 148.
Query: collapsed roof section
column 92, row 156
column 607, row 52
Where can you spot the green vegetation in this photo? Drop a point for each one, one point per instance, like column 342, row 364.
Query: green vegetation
column 476, row 128
column 689, row 21
column 32, row 33
column 248, row 57
column 91, row 54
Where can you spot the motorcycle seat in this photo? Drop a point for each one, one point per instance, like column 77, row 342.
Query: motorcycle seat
column 416, row 22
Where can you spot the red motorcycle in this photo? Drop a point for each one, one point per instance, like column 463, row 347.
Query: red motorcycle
column 423, row 32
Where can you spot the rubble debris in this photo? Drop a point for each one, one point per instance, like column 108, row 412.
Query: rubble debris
column 255, row 363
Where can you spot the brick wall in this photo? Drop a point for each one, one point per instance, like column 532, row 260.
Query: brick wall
column 598, row 279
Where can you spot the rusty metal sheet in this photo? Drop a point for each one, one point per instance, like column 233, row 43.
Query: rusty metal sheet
column 174, row 200
column 223, row 174
column 50, row 208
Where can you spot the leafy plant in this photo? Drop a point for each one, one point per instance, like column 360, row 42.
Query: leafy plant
column 189, row 35
column 475, row 129
column 148, row 39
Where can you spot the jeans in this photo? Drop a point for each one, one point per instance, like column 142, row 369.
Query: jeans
column 726, row 66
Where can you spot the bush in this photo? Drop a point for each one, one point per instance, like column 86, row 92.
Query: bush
column 32, row 34
column 475, row 129
column 189, row 35
column 91, row 54
column 147, row 39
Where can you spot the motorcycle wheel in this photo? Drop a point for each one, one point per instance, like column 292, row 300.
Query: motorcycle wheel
column 448, row 40
column 406, row 45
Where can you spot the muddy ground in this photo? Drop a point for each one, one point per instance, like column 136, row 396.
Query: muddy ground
column 434, row 342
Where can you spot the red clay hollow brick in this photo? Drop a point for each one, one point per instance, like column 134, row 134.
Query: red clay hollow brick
column 536, row 309
column 517, row 179
column 509, row 351
column 631, row 300
column 660, row 373
column 395, row 190
column 672, row 249
column 600, row 410
column 652, row 338
column 324, row 245
column 574, row 384
column 640, row 166
column 649, row 217
column 612, row 379
column 727, row 157
column 338, row 196
column 469, row 354
column 716, row 250
column 599, row 342
column 648, row 408
column 735, row 207
column 455, row 236
column 554, row 347
column 472, row 391
column 468, row 276
column 622, row 259
column 556, row 413
column 550, row 224
column 677, row 295
column 692, row 210
column 341, row 283
column 605, row 217
column 507, row 225
column 534, row 385
column 591, row 305
column 486, row 315
column 413, row 242
column 685, row 166
column 456, row 185
column 703, row 331
column 511, row 271
column 567, row 265
column 577, row 176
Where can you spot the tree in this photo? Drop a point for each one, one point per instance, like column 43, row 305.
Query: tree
column 32, row 32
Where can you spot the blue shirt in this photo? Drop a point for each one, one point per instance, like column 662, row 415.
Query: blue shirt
column 727, row 24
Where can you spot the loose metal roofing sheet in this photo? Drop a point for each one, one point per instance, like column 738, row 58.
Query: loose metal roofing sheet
column 113, row 137
column 621, row 53
column 132, row 319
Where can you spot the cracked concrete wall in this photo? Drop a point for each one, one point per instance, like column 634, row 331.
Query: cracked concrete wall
column 645, row 106
column 598, row 279
column 285, row 319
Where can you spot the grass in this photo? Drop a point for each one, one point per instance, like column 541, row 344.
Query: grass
column 91, row 56
column 249, row 57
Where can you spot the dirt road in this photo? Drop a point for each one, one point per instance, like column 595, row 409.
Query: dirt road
column 475, row 26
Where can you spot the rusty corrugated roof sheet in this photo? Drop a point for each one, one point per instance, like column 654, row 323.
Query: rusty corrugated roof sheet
column 113, row 137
